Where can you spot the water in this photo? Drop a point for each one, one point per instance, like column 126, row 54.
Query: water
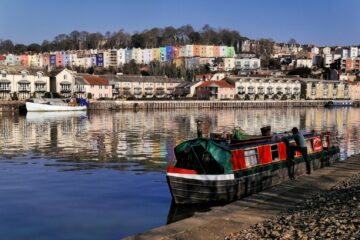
column 101, row 175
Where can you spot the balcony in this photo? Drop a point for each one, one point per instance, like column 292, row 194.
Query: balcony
column 115, row 91
column 137, row 91
column 79, row 90
column 40, row 89
column 5, row 86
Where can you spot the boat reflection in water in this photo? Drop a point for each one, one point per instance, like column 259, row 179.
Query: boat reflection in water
column 36, row 117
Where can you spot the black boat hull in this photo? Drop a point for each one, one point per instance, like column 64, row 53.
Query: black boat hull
column 198, row 189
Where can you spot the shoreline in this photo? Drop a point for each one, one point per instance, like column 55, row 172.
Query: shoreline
column 118, row 105
column 223, row 221
column 199, row 104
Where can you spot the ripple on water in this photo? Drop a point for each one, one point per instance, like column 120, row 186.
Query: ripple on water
column 101, row 175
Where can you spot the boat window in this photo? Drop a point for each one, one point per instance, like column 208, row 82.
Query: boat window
column 275, row 152
column 251, row 157
column 324, row 142
column 310, row 148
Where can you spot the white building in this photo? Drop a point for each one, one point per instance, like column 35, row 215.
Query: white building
column 229, row 64
column 304, row 63
column 24, row 85
column 247, row 63
column 315, row 51
column 345, row 53
column 328, row 59
column 223, row 51
column 147, row 55
column 354, row 52
column 120, row 55
column 326, row 50
column 188, row 51
column 254, row 88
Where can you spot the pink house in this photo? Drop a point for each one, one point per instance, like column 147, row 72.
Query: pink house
column 59, row 60
column 98, row 87
column 24, row 60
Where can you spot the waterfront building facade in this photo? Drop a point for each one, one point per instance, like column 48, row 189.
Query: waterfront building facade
column 263, row 88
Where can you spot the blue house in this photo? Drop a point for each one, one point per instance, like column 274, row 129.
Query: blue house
column 100, row 60
column 52, row 60
column 169, row 53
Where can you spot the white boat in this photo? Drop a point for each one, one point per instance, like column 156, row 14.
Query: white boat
column 52, row 105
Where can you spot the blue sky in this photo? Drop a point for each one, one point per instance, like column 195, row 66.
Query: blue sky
column 322, row 22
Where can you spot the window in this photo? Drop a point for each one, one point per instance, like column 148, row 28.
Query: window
column 275, row 152
column 65, row 77
column 251, row 157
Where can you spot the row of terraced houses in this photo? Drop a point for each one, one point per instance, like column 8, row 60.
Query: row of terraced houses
column 118, row 57
column 69, row 83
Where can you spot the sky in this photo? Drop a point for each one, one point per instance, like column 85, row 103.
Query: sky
column 320, row 22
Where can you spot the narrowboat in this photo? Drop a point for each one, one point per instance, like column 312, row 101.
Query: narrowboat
column 229, row 167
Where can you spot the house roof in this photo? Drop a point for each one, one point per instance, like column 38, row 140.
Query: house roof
column 92, row 80
column 220, row 84
column 139, row 78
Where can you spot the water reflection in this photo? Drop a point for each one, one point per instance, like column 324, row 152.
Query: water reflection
column 145, row 140
column 120, row 158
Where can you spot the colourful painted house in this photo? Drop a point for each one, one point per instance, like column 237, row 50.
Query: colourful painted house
column 169, row 53
column 203, row 51
column 52, row 59
column 162, row 52
column 196, row 51
column 230, row 52
column 156, row 54
column 59, row 60
column 216, row 52
column 24, row 60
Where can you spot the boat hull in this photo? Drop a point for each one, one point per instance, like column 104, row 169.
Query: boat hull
column 195, row 190
column 39, row 107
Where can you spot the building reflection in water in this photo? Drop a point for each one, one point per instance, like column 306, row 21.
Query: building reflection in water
column 144, row 141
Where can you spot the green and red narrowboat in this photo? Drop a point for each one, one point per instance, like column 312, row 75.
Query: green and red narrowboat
column 226, row 169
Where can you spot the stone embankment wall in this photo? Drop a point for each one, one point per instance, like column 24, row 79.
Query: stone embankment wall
column 11, row 106
column 155, row 105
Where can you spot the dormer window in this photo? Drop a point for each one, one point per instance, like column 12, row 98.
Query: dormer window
column 39, row 75
column 65, row 77
column 3, row 74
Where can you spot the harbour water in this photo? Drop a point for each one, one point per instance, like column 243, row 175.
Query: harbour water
column 101, row 175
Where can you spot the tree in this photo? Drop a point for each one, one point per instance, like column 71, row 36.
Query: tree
column 90, row 70
column 19, row 49
column 292, row 41
column 303, row 72
column 6, row 46
column 34, row 47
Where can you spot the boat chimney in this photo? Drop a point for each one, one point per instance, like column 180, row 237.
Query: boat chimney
column 199, row 128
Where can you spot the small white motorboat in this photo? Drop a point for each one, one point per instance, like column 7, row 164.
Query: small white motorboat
column 55, row 105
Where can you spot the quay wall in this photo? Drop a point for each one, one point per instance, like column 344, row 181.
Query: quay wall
column 156, row 105
column 11, row 106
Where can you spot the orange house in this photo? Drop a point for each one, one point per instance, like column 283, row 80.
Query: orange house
column 24, row 60
column 46, row 60
column 196, row 50
column 176, row 50
column 216, row 51
column 348, row 64
column 59, row 60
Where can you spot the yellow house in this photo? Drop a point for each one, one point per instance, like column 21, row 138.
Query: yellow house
column 325, row 89
column 203, row 51
column 210, row 51
column 156, row 54
column 354, row 89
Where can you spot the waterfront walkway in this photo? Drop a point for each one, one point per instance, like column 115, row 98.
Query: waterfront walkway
column 221, row 221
